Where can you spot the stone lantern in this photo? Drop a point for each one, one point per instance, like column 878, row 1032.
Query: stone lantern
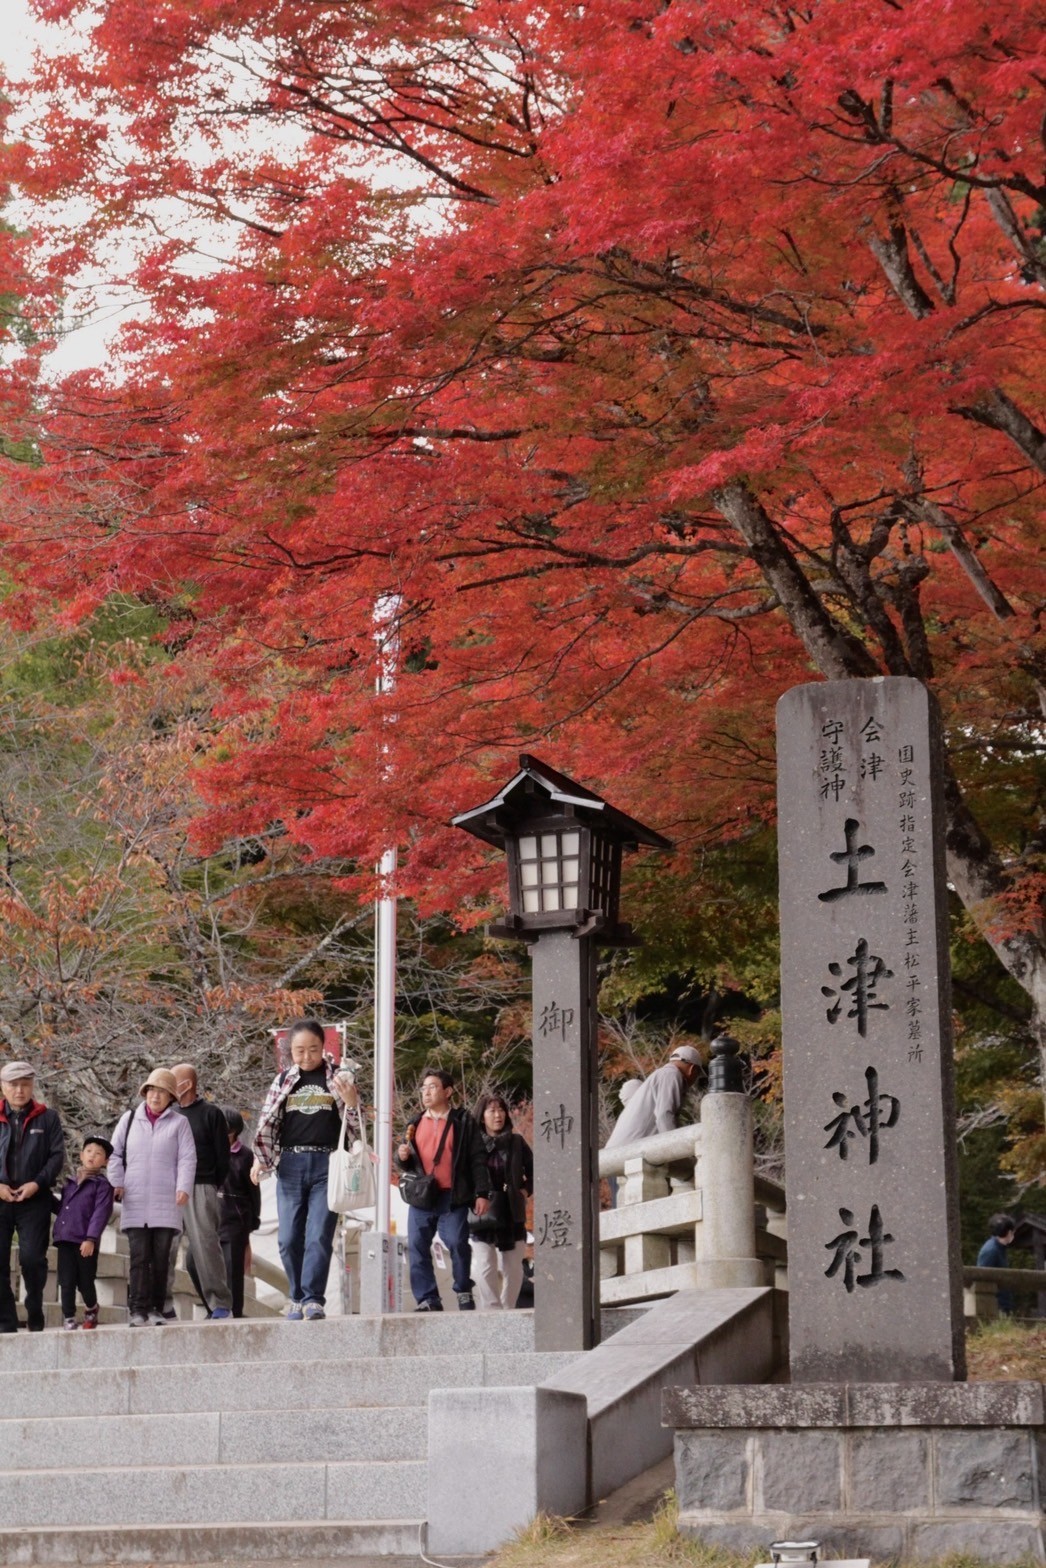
column 564, row 846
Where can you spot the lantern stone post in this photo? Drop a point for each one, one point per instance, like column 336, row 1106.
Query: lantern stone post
column 564, row 847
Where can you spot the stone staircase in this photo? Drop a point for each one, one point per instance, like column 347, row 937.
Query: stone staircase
column 113, row 1262
column 257, row 1440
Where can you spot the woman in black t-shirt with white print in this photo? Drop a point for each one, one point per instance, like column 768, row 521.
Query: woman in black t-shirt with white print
column 297, row 1129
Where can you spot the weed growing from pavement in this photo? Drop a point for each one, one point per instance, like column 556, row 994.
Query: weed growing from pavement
column 564, row 1543
column 1006, row 1350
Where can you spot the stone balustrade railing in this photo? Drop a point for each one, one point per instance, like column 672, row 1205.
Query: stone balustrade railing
column 681, row 1146
column 656, row 1241
column 690, row 1212
column 981, row 1290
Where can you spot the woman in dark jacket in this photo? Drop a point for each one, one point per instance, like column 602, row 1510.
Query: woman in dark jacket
column 240, row 1209
column 497, row 1251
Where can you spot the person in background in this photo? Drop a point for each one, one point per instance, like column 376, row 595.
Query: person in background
column 240, row 1209
column 655, row 1105
column 443, row 1142
column 32, row 1153
column 298, row 1128
column 152, row 1168
column 81, row 1214
column 202, row 1217
column 510, row 1168
column 994, row 1254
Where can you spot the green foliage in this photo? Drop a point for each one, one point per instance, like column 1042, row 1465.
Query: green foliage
column 708, row 957
column 67, row 669
column 20, row 451
column 983, row 1189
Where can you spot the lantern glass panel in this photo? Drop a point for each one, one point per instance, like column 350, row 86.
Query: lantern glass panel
column 550, row 871
column 602, row 881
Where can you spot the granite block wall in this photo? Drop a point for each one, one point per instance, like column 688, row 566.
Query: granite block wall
column 905, row 1488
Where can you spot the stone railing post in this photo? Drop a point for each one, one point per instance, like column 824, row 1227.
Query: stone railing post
column 726, row 1235
column 641, row 1184
column 981, row 1301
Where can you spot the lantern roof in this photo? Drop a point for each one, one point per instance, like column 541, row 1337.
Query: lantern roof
column 536, row 789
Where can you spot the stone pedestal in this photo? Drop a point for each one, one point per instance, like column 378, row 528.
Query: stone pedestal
column 899, row 1470
column 497, row 1458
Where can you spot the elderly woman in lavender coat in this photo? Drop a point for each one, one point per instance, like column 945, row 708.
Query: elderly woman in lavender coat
column 152, row 1168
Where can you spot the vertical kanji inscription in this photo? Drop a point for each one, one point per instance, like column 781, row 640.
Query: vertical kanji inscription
column 869, row 1123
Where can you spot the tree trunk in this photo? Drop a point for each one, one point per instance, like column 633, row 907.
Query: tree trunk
column 974, row 868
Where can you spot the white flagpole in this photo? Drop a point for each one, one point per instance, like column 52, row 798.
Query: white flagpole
column 376, row 1283
column 384, row 1034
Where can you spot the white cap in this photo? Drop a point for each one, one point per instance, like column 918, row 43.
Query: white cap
column 11, row 1070
column 686, row 1053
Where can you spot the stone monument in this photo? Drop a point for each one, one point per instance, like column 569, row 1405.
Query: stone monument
column 564, row 846
column 875, row 1278
column 878, row 1449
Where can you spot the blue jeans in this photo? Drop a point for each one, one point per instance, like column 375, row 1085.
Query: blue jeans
column 306, row 1224
column 453, row 1227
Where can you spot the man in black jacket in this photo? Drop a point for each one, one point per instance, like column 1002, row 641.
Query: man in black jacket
column 32, row 1154
column 443, row 1142
column 202, row 1213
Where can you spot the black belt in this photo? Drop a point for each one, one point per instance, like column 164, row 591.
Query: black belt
column 305, row 1148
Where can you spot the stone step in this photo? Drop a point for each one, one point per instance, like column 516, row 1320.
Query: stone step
column 273, row 1339
column 112, row 1292
column 107, row 1314
column 372, row 1434
column 318, row 1385
column 215, row 1494
column 280, row 1542
column 109, row 1265
column 253, row 1308
column 111, row 1282
column 112, row 1299
column 116, row 1265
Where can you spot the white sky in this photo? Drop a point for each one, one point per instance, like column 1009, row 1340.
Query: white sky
column 86, row 343
column 94, row 309
column 16, row 42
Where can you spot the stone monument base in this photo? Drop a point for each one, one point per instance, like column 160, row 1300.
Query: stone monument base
column 880, row 1470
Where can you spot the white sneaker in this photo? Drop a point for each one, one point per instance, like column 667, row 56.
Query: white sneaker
column 158, row 1318
column 137, row 1320
column 70, row 1323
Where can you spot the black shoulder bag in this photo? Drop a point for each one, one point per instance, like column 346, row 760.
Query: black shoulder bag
column 420, row 1188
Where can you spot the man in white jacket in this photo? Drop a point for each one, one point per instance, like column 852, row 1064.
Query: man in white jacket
column 654, row 1106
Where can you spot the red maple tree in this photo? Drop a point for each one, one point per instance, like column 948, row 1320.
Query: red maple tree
column 657, row 355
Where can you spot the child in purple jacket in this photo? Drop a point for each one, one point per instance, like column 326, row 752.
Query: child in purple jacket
column 83, row 1213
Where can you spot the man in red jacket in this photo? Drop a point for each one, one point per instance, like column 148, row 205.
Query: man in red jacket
column 32, row 1153
column 443, row 1142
